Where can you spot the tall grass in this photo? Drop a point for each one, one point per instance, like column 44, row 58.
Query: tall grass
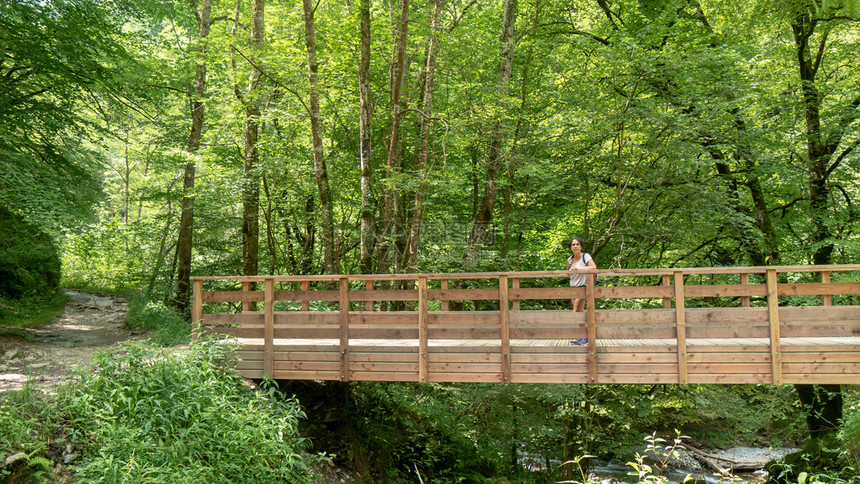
column 146, row 415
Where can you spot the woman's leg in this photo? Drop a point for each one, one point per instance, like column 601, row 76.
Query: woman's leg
column 579, row 304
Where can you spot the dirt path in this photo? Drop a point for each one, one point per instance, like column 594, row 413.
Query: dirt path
column 89, row 322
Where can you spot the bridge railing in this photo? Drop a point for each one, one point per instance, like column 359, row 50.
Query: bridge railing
column 781, row 324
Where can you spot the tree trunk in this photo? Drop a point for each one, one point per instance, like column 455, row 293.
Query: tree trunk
column 425, row 123
column 320, row 171
column 186, row 222
column 251, row 178
column 484, row 216
column 366, row 242
column 518, row 133
column 392, row 212
column 823, row 404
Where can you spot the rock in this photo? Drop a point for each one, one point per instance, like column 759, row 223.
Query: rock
column 13, row 458
column 11, row 354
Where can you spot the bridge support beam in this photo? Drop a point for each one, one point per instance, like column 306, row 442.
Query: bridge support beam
column 773, row 317
column 681, row 326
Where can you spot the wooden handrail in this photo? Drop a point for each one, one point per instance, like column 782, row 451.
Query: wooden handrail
column 538, row 274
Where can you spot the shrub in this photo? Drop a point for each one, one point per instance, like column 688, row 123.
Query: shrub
column 29, row 264
column 146, row 415
column 170, row 327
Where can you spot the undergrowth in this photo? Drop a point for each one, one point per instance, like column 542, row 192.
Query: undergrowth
column 168, row 326
column 31, row 310
column 144, row 414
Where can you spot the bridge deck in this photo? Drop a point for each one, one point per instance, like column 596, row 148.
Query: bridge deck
column 419, row 328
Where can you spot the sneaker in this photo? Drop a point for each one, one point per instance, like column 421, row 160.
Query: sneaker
column 580, row 341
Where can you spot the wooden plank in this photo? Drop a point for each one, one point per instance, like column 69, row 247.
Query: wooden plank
column 232, row 319
column 269, row 333
column 233, row 296
column 591, row 328
column 773, row 314
column 368, row 286
column 343, row 305
column 666, row 280
column 830, row 314
column 489, row 358
column 569, row 378
column 387, row 377
column 820, row 357
column 549, row 358
column 826, row 299
column 423, row 364
column 729, row 368
column 307, row 375
column 725, row 290
column 465, row 377
column 247, row 305
column 196, row 307
column 702, row 357
column 639, row 379
column 308, row 356
column 463, row 294
column 828, row 368
column 818, row 288
column 680, row 326
column 745, row 281
column 382, row 357
column 552, row 368
column 641, row 358
column 644, row 368
column 515, row 284
column 732, row 379
column 383, row 367
column 820, row 379
column 331, row 366
column 306, row 287
column 443, row 283
column 504, row 323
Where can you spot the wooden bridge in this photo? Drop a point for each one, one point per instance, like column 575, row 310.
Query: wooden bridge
column 781, row 325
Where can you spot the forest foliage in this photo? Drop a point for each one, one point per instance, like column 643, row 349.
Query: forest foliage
column 156, row 139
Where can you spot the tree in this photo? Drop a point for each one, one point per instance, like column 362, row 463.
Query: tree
column 366, row 230
column 62, row 67
column 484, row 215
column 320, row 170
column 186, row 222
column 251, row 180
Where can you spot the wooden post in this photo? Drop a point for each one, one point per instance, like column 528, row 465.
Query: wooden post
column 306, row 287
column 667, row 301
column 745, row 281
column 423, row 357
column 343, row 305
column 443, row 285
column 368, row 286
column 826, row 299
column 269, row 331
column 515, row 284
column 681, row 326
column 196, row 309
column 505, row 325
column 591, row 328
column 247, row 305
column 773, row 314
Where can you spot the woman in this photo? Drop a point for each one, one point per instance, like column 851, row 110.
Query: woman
column 577, row 262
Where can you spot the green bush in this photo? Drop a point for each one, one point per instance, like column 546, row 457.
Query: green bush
column 143, row 414
column 29, row 263
column 170, row 327
column 26, row 428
